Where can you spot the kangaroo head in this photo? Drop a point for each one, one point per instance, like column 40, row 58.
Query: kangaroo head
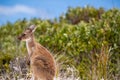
column 27, row 34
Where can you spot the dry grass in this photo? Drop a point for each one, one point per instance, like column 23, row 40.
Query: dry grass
column 19, row 70
column 99, row 68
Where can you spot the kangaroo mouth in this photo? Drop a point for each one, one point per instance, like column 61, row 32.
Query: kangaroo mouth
column 19, row 38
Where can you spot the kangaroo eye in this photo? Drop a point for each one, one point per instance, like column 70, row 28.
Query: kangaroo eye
column 24, row 34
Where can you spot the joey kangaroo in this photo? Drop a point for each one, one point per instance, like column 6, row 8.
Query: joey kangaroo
column 41, row 61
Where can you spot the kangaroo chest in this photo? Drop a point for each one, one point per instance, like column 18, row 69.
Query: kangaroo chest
column 30, row 49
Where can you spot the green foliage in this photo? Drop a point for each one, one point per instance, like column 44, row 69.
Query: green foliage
column 86, row 38
column 75, row 15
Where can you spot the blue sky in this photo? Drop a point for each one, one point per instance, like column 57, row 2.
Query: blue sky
column 12, row 10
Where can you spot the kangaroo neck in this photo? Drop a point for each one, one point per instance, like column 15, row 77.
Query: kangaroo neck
column 30, row 44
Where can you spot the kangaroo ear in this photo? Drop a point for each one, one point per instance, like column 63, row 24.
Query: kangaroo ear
column 32, row 28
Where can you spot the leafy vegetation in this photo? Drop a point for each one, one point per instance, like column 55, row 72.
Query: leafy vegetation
column 86, row 39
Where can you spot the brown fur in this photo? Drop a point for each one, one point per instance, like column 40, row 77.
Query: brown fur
column 41, row 61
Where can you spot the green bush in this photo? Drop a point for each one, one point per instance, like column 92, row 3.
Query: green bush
column 92, row 46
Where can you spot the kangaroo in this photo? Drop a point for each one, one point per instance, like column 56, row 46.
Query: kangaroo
column 42, row 63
